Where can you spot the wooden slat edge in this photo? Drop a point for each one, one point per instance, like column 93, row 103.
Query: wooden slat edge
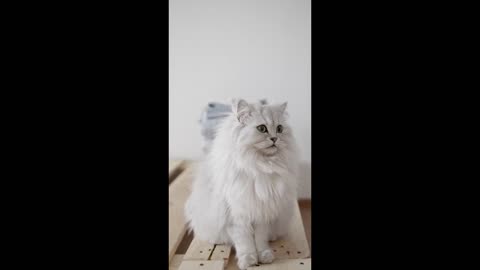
column 178, row 194
column 175, row 167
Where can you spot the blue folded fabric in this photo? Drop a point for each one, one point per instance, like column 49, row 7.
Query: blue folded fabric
column 211, row 116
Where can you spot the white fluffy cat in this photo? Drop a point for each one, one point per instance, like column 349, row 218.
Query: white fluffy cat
column 245, row 190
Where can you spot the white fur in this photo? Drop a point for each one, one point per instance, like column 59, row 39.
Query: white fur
column 245, row 190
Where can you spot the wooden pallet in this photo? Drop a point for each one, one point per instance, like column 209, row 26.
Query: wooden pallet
column 175, row 167
column 291, row 252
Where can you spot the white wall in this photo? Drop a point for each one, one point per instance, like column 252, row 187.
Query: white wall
column 245, row 48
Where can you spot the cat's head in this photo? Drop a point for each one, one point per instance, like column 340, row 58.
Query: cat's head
column 261, row 128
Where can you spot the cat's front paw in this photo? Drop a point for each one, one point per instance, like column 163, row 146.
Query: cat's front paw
column 266, row 256
column 246, row 260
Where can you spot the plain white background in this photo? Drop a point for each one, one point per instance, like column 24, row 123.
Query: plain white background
column 251, row 49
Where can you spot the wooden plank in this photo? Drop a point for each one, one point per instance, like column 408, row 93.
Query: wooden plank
column 201, row 265
column 185, row 243
column 306, row 212
column 175, row 262
column 173, row 165
column 290, row 264
column 294, row 245
column 221, row 252
column 178, row 193
column 174, row 168
column 199, row 250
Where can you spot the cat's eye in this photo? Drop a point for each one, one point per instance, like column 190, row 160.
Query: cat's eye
column 262, row 128
column 279, row 128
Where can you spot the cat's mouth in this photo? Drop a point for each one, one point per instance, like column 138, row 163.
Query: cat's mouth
column 271, row 150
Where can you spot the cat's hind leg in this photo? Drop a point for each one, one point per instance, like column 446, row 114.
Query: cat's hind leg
column 281, row 225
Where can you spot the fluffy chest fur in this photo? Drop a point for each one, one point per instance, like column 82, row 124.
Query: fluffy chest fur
column 258, row 200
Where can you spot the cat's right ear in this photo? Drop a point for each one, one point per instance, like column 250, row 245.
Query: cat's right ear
column 241, row 109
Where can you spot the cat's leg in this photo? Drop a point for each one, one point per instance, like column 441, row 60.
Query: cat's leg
column 242, row 236
column 262, row 233
column 282, row 224
column 280, row 229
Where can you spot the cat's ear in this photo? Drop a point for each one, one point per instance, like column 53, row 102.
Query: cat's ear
column 241, row 109
column 282, row 107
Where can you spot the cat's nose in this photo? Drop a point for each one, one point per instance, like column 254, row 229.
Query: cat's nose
column 274, row 139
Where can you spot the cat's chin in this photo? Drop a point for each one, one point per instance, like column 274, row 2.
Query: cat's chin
column 270, row 151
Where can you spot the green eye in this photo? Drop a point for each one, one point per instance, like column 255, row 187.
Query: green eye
column 279, row 128
column 262, row 128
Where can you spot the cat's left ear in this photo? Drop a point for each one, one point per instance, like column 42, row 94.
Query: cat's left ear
column 282, row 107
